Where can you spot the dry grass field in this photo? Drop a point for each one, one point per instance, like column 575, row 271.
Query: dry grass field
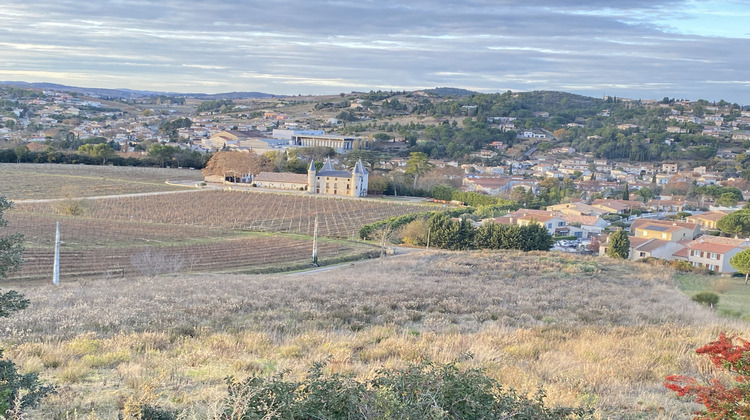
column 595, row 332
column 26, row 181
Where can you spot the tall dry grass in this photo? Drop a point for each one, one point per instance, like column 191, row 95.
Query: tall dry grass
column 591, row 331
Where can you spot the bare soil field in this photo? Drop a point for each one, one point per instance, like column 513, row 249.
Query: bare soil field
column 27, row 181
column 593, row 332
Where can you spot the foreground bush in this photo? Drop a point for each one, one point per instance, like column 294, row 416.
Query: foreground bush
column 706, row 298
column 721, row 401
column 418, row 391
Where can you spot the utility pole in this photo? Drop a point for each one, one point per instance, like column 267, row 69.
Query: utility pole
column 56, row 270
column 386, row 232
column 429, row 230
column 315, row 243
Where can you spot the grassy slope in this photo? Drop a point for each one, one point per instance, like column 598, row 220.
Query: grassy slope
column 734, row 301
column 591, row 331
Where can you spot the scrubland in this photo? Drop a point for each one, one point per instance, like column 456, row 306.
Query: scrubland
column 591, row 332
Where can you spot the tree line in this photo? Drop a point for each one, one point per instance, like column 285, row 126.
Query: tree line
column 453, row 230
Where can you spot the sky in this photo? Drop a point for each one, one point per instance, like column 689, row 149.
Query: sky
column 638, row 49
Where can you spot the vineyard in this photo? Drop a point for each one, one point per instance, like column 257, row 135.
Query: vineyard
column 44, row 181
column 202, row 231
column 235, row 210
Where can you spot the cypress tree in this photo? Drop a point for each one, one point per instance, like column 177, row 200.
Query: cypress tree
column 619, row 245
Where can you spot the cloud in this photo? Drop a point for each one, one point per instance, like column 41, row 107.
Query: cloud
column 325, row 46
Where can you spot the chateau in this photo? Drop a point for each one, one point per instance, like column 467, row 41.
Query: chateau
column 330, row 181
column 327, row 181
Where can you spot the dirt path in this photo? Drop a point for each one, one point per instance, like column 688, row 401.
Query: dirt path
column 100, row 197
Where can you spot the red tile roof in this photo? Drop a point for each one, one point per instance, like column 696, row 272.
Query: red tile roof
column 640, row 223
column 281, row 177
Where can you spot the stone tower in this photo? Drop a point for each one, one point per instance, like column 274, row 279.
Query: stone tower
column 360, row 179
column 311, row 178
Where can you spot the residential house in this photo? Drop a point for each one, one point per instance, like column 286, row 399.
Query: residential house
column 663, row 179
column 586, row 225
column 658, row 205
column 614, row 206
column 664, row 229
column 669, row 168
column 650, row 247
column 713, row 252
column 222, row 139
column 627, row 126
column 707, row 221
column 557, row 223
column 577, row 208
column 554, row 223
column 488, row 185
column 532, row 134
column 708, row 179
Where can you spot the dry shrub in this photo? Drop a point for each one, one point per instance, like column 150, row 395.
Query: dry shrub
column 73, row 373
column 721, row 284
column 415, row 232
column 72, row 207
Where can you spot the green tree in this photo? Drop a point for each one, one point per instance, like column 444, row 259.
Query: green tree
column 646, row 194
column 315, row 153
column 382, row 137
column 737, row 223
column 626, row 193
column 370, row 159
column 418, row 165
column 13, row 384
column 101, row 151
column 377, row 185
column 11, row 246
column 442, row 192
column 741, row 263
column 448, row 234
column 535, row 237
column 162, row 153
column 619, row 245
column 22, row 153
column 727, row 200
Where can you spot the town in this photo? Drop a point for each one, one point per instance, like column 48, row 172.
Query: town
column 583, row 167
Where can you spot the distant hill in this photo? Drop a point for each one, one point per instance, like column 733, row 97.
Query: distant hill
column 132, row 94
column 230, row 95
column 448, row 91
column 556, row 101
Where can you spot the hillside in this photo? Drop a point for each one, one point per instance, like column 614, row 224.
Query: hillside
column 590, row 331
column 130, row 93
